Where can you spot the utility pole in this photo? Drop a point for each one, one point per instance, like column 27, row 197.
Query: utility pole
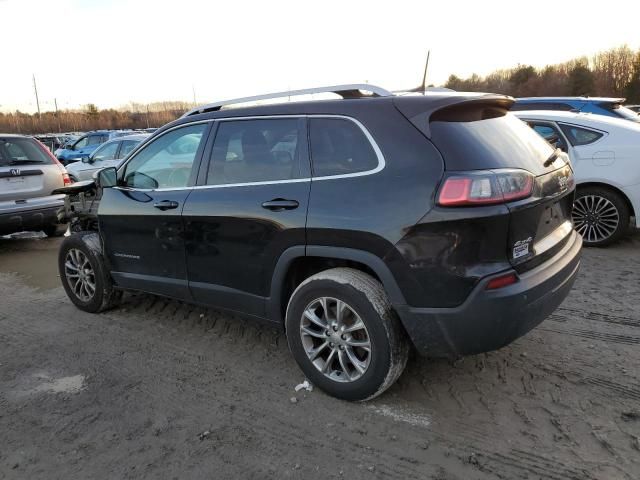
column 193, row 89
column 35, row 89
column 147, row 115
column 55, row 102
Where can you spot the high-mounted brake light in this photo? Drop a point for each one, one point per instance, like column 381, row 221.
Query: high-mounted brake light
column 485, row 187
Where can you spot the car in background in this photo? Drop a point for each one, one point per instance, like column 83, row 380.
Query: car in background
column 610, row 107
column 605, row 153
column 109, row 154
column 28, row 174
column 86, row 144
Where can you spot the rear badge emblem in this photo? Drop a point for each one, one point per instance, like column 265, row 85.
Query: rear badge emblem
column 15, row 172
column 521, row 248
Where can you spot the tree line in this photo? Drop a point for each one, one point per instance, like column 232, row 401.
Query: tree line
column 610, row 73
column 90, row 118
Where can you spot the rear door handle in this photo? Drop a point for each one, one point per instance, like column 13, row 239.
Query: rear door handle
column 278, row 204
column 166, row 205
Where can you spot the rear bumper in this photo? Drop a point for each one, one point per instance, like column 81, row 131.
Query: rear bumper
column 491, row 319
column 32, row 214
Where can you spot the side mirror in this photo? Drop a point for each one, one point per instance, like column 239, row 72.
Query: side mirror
column 106, row 177
column 86, row 160
column 70, row 147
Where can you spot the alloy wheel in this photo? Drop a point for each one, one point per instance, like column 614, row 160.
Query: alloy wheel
column 335, row 339
column 80, row 274
column 596, row 218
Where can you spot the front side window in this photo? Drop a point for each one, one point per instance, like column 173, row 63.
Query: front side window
column 83, row 142
column 248, row 151
column 106, row 152
column 127, row 147
column 167, row 161
column 95, row 139
column 339, row 147
column 580, row 136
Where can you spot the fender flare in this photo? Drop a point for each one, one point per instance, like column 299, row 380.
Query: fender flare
column 375, row 263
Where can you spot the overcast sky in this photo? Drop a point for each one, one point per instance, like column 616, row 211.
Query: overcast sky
column 111, row 52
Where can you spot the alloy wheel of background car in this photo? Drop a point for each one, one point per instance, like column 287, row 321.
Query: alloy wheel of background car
column 600, row 216
column 80, row 275
column 335, row 339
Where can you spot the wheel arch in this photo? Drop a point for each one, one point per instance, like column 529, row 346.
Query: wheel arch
column 613, row 188
column 283, row 280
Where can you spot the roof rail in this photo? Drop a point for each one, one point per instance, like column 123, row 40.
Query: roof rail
column 345, row 91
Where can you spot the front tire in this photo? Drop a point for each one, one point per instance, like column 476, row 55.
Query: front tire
column 344, row 334
column 84, row 276
column 600, row 215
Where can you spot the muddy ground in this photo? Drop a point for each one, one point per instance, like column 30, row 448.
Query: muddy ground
column 158, row 389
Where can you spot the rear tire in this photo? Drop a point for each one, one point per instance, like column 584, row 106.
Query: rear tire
column 353, row 355
column 84, row 276
column 600, row 215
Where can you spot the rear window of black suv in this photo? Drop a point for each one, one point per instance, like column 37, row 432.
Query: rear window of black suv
column 339, row 147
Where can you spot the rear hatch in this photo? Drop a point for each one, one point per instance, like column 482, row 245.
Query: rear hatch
column 480, row 137
column 26, row 171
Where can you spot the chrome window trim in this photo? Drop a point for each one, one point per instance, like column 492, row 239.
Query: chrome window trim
column 381, row 161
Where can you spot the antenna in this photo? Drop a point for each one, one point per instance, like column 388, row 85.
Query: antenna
column 424, row 76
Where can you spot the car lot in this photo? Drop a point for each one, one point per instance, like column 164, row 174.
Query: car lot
column 157, row 388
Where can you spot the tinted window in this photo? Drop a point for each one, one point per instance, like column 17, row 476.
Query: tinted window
column 550, row 134
column 500, row 142
column 338, row 147
column 106, row 152
column 15, row 151
column 580, row 136
column 127, row 147
column 167, row 161
column 254, row 151
column 542, row 106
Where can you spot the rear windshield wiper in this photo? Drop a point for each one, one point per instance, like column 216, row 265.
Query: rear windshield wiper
column 23, row 162
column 549, row 161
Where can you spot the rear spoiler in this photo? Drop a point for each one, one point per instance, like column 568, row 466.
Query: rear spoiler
column 419, row 110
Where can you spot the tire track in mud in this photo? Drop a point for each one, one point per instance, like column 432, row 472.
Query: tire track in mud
column 595, row 335
column 564, row 315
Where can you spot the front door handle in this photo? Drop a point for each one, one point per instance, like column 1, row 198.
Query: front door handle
column 166, row 205
column 278, row 204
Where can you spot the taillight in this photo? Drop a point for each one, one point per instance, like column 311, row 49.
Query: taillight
column 485, row 187
column 65, row 176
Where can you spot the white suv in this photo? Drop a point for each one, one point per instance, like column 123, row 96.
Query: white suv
column 605, row 153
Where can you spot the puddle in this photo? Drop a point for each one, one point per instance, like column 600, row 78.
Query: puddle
column 33, row 257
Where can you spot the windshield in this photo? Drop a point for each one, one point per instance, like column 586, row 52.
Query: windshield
column 21, row 151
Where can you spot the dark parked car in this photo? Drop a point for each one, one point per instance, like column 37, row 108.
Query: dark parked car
column 609, row 107
column 364, row 225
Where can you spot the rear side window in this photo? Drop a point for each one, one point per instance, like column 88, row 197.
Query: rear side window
column 580, row 136
column 247, row 151
column 21, row 151
column 339, row 147
column 96, row 139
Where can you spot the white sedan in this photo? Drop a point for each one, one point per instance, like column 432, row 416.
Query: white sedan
column 605, row 154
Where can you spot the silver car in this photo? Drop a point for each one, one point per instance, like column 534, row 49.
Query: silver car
column 28, row 174
column 109, row 154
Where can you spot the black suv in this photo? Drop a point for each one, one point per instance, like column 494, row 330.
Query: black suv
column 365, row 225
